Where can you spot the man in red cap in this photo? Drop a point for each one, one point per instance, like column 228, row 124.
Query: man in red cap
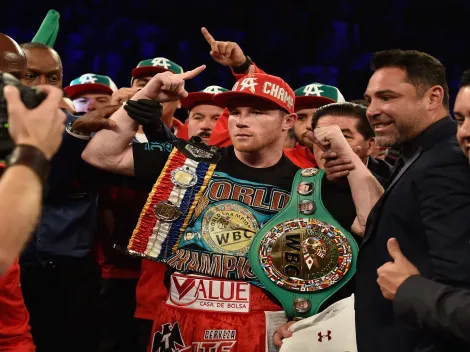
column 261, row 112
column 215, row 306
column 203, row 112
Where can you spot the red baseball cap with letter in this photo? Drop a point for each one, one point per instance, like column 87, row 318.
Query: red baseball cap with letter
column 263, row 86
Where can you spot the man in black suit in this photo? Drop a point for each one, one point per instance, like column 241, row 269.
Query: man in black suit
column 426, row 205
column 417, row 301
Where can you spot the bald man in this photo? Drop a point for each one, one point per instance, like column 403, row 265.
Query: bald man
column 44, row 65
column 21, row 188
column 12, row 58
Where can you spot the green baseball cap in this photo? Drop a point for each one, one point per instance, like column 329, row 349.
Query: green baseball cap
column 204, row 95
column 317, row 94
column 90, row 82
column 156, row 65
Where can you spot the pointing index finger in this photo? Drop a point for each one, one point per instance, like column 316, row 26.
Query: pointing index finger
column 209, row 38
column 193, row 73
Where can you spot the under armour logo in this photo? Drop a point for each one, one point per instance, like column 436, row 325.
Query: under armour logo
column 88, row 78
column 213, row 90
column 320, row 336
column 313, row 89
column 248, row 83
column 162, row 62
column 169, row 339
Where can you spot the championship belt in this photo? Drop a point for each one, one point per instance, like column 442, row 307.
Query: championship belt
column 173, row 199
column 303, row 255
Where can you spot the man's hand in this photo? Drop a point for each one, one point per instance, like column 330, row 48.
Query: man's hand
column 97, row 120
column 168, row 86
column 336, row 151
column 393, row 274
column 282, row 333
column 41, row 127
column 225, row 53
column 122, row 95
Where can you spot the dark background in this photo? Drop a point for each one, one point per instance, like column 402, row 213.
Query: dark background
column 302, row 41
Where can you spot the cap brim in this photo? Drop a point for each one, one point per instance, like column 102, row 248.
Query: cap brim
column 312, row 101
column 73, row 91
column 147, row 71
column 223, row 99
column 196, row 98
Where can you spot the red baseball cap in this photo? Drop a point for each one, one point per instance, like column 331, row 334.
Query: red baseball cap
column 263, row 86
column 205, row 95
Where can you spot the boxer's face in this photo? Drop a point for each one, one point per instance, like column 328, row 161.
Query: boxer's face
column 462, row 116
column 255, row 124
column 202, row 119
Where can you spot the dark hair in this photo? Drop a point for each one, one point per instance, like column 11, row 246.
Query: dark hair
column 34, row 45
column 347, row 110
column 465, row 80
column 422, row 70
column 362, row 102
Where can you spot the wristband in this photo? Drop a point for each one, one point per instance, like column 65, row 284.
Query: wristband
column 244, row 67
column 31, row 157
column 145, row 112
column 77, row 134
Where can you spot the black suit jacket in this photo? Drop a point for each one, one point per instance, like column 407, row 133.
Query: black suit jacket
column 427, row 208
column 380, row 168
column 423, row 303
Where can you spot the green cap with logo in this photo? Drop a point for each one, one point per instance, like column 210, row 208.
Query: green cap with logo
column 151, row 67
column 89, row 83
column 204, row 96
column 315, row 95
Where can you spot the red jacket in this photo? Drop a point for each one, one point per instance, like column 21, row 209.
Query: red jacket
column 14, row 317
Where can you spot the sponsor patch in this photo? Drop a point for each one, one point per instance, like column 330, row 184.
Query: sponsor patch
column 208, row 294
column 220, row 335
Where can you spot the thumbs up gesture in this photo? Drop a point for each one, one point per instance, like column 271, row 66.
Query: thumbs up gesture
column 392, row 274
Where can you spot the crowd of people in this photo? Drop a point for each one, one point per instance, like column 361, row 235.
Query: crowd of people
column 151, row 226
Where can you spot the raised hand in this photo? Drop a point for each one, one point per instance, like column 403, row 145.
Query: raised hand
column 122, row 95
column 224, row 53
column 168, row 86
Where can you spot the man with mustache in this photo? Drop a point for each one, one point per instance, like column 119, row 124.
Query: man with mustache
column 426, row 204
column 258, row 123
column 203, row 113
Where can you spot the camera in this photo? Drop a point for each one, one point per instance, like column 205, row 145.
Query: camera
column 31, row 98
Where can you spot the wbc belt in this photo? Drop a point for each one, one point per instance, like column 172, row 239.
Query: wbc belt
column 172, row 200
column 303, row 255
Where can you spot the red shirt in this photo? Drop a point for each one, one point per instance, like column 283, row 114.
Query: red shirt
column 14, row 317
column 301, row 156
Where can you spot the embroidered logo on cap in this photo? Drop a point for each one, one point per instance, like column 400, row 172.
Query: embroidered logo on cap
column 313, row 89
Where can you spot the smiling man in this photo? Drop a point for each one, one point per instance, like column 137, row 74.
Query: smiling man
column 426, row 204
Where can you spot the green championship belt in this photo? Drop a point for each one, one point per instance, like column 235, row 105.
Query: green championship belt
column 303, row 255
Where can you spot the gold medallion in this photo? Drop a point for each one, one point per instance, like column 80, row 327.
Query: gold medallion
column 167, row 211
